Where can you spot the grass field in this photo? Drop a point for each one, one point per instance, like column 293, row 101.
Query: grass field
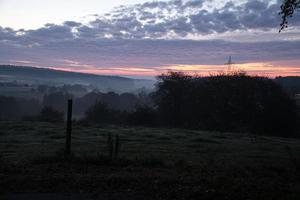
column 153, row 163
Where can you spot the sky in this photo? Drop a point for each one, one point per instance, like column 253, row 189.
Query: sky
column 140, row 38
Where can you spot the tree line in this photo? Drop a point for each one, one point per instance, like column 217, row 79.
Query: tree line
column 222, row 102
column 226, row 102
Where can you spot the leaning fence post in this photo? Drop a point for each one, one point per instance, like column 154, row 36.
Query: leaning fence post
column 69, row 129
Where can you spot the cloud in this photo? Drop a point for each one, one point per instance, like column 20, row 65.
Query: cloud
column 159, row 34
column 50, row 32
column 167, row 20
column 7, row 34
column 150, row 53
column 72, row 24
column 159, row 18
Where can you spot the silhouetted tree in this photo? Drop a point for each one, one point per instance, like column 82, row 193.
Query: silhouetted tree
column 227, row 102
column 127, row 101
column 57, row 100
column 287, row 10
column 28, row 107
column 113, row 101
column 48, row 114
column 170, row 96
column 82, row 104
column 99, row 113
column 9, row 108
column 143, row 116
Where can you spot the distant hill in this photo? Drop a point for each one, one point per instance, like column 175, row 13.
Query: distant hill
column 34, row 75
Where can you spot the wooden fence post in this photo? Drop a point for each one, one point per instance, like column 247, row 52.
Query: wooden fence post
column 69, row 129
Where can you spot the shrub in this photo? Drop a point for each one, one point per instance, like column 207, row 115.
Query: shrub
column 99, row 113
column 142, row 115
column 48, row 114
column 9, row 108
column 226, row 102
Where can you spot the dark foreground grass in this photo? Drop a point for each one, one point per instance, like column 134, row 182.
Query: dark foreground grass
column 152, row 164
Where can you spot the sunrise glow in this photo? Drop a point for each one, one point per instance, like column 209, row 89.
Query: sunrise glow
column 257, row 69
column 144, row 39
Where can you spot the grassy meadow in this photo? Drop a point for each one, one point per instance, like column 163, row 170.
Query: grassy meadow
column 153, row 163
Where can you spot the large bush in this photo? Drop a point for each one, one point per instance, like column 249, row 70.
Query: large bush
column 100, row 113
column 227, row 102
column 9, row 108
column 142, row 115
column 13, row 108
column 57, row 100
column 48, row 114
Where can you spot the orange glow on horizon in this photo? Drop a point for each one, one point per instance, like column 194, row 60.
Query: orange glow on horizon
column 260, row 69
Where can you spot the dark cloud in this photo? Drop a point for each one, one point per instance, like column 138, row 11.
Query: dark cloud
column 7, row 34
column 50, row 32
column 154, row 4
column 194, row 4
column 72, row 24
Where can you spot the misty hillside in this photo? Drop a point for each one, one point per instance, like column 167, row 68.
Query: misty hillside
column 33, row 75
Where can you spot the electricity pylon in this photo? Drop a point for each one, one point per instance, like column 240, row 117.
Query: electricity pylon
column 229, row 64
